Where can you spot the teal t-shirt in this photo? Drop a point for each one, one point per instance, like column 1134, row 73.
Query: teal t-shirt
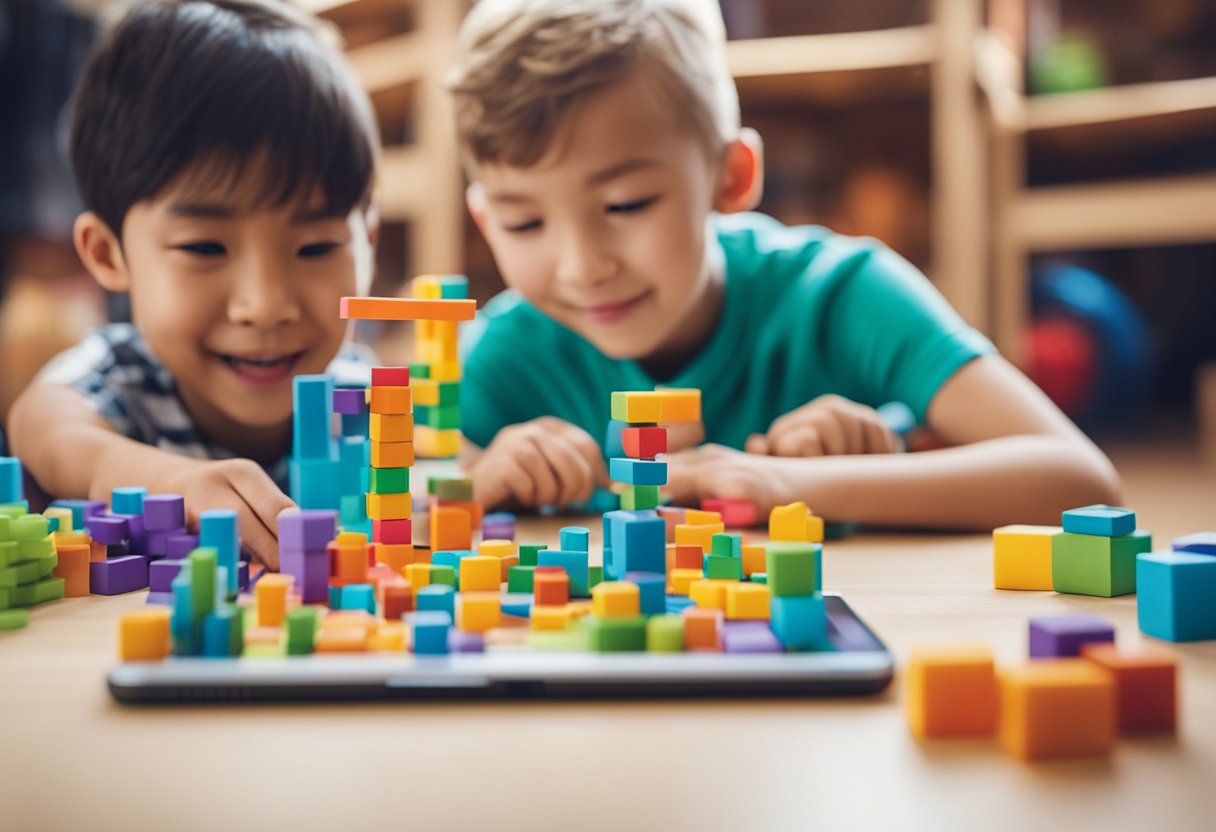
column 806, row 312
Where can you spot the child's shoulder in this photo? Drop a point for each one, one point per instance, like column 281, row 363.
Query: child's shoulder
column 508, row 324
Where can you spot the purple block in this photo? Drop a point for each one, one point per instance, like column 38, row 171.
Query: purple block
column 89, row 508
column 310, row 571
column 749, row 637
column 138, row 540
column 162, row 572
column 462, row 642
column 309, row 530
column 162, row 598
column 114, row 577
column 242, row 574
column 497, row 531
column 164, row 512
column 349, row 401
column 180, row 545
column 107, row 528
column 1200, row 543
column 1061, row 636
column 157, row 542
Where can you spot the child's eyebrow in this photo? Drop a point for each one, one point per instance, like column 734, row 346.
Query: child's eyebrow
column 202, row 210
column 621, row 168
column 316, row 215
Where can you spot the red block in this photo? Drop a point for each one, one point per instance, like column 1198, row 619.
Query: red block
column 1146, row 686
column 393, row 531
column 396, row 598
column 390, row 376
column 550, row 586
column 684, row 557
column 644, row 443
column 736, row 514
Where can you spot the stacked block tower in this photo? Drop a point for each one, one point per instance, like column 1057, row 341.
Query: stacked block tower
column 437, row 371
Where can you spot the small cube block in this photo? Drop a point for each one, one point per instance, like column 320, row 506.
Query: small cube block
column 1062, row 636
column 480, row 573
column 1021, row 557
column 1106, row 521
column 1175, row 592
column 143, row 635
column 1146, row 686
column 747, row 602
column 951, row 691
column 1057, row 708
column 477, row 612
column 616, row 599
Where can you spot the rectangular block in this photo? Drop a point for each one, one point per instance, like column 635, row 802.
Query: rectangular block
column 218, row 531
column 391, row 427
column 951, row 691
column 550, row 587
column 432, row 393
column 794, row 568
column 637, row 407
column 307, row 530
column 315, row 483
column 393, row 531
column 451, row 528
column 73, row 567
column 638, row 543
column 477, row 612
column 576, row 566
column 436, row 598
column 312, row 433
column 1175, row 592
column 640, row 497
column 127, row 500
column 1056, row 708
column 392, row 454
column 615, row 635
column 162, row 572
column 574, row 539
column 799, row 621
column 528, row 552
column 429, row 632
column 665, row 634
column 1021, row 557
column 637, row 471
column 1200, row 543
column 717, row 566
column 688, row 534
column 271, row 593
column 1146, row 686
column 389, row 400
column 643, row 442
column 118, row 575
column 390, row 376
column 1106, row 521
column 11, row 484
column 143, row 635
column 748, row 602
column 350, row 401
column 678, row 405
column 406, row 309
column 618, row 599
column 1062, row 636
column 735, row 514
column 702, row 629
column 1084, row 564
column 480, row 573
column 389, row 507
column 789, row 522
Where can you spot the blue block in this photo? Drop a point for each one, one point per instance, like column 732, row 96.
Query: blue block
column 217, row 528
column 335, row 597
column 676, row 604
column 799, row 621
column 637, row 471
column 185, row 629
column 316, row 483
column 574, row 539
column 1174, row 595
column 359, row 597
column 218, row 639
column 1200, row 543
column 436, row 598
column 356, row 424
column 52, row 525
column 452, row 559
column 518, row 604
column 613, row 445
column 351, row 454
column 575, row 564
column 652, row 589
column 454, row 286
column 11, row 488
column 128, row 500
column 639, row 543
column 311, row 399
column 1103, row 521
column 430, row 632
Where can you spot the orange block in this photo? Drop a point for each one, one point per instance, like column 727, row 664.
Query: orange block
column 951, row 691
column 395, row 598
column 397, row 556
column 360, row 620
column 677, row 405
column 702, row 629
column 753, row 559
column 1057, row 708
column 342, row 640
column 143, row 635
column 270, row 595
column 348, row 563
column 73, row 567
column 474, row 509
column 507, row 563
column 389, row 400
column 549, row 588
column 451, row 528
column 391, row 427
column 406, row 309
column 97, row 552
column 683, row 557
column 392, row 454
column 1146, row 686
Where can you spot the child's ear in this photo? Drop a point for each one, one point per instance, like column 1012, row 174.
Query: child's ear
column 475, row 199
column 101, row 252
column 742, row 182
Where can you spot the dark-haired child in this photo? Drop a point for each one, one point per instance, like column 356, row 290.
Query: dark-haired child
column 225, row 156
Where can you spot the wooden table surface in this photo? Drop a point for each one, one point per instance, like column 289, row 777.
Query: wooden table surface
column 71, row 758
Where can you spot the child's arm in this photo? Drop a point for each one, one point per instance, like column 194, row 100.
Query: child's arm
column 544, row 462
column 1018, row 460
column 72, row 452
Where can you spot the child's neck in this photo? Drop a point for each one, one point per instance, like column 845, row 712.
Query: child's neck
column 264, row 444
column 695, row 331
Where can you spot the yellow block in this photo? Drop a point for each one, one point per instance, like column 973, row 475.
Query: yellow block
column 1054, row 708
column 448, row 370
column 418, row 574
column 1021, row 556
column 64, row 515
column 814, row 528
column 616, row 599
column 426, row 391
column 427, row 287
column 551, row 618
column 477, row 612
column 747, row 602
column 270, row 595
column 754, row 559
column 710, row 593
column 389, row 637
column 702, row 536
column 480, row 573
column 697, row 517
column 641, row 406
column 391, row 427
column 392, row 454
column 389, row 506
column 788, row 522
column 351, row 539
column 445, row 340
column 579, row 608
column 951, row 691
column 677, row 405
column 497, row 548
column 143, row 635
column 437, row 443
column 681, row 580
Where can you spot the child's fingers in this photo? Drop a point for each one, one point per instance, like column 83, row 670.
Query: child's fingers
column 531, row 457
column 797, row 440
column 682, row 435
column 852, row 421
column 587, row 448
column 263, row 502
column 756, row 444
column 879, row 438
column 574, row 476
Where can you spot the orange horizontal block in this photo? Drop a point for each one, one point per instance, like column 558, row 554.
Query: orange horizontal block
column 1146, row 686
column 143, row 635
column 348, row 563
column 472, row 508
column 73, row 567
column 392, row 454
column 702, row 629
column 1053, row 708
column 406, row 309
column 342, row 640
column 389, row 506
column 684, row 556
column 391, row 427
column 391, row 401
column 951, row 691
column 676, row 405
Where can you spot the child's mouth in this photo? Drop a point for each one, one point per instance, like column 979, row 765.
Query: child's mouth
column 261, row 369
column 607, row 313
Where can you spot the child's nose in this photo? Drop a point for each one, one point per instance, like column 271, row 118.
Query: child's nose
column 584, row 259
column 263, row 296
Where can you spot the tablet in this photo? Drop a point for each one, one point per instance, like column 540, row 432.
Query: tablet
column 856, row 663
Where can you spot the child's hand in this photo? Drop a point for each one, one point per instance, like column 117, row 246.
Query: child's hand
column 828, row 426
column 240, row 485
column 717, row 471
column 543, row 462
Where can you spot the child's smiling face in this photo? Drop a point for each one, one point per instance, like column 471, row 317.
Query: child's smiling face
column 234, row 300
column 606, row 234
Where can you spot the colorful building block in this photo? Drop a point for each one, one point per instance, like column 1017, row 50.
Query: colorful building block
column 451, row 528
column 735, row 514
column 1062, row 636
column 799, row 621
column 794, row 568
column 406, row 309
column 301, row 630
column 681, row 580
column 1104, row 521
column 710, row 593
column 951, row 691
column 754, row 557
column 702, row 629
column 690, row 534
column 128, row 499
column 617, row 599
column 747, row 602
column 615, row 635
column 429, row 632
column 637, row 471
column 116, row 576
column 11, row 476
column 1084, row 564
column 271, row 594
column 1200, row 543
column 677, row 405
column 550, row 586
column 477, row 612
column 645, row 442
column 1056, row 708
column 1146, row 686
column 748, row 637
column 652, row 591
column 576, row 566
column 143, row 635
column 724, row 567
column 392, row 454
column 643, row 407
column 1021, row 556
column 665, row 634
column 436, row 597
column 73, row 567
column 480, row 573
column 1174, row 601
column 218, row 531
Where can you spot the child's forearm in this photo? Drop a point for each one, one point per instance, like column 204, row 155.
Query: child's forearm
column 1014, row 479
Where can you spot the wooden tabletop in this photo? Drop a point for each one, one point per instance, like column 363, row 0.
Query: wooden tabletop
column 70, row 757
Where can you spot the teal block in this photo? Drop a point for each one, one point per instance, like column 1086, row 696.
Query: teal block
column 527, row 553
column 759, row 578
column 519, row 578
column 1175, row 597
column 351, row 454
column 315, row 483
column 453, row 287
column 799, row 621
column 574, row 539
column 793, row 568
column 637, row 471
column 429, row 632
column 728, row 545
column 11, row 488
column 637, row 542
column 614, row 635
column 128, row 500
column 301, row 627
column 1084, row 564
column 311, row 398
column 436, row 597
column 218, row 531
column 575, row 564
column 722, row 566
column 220, row 633
column 518, row 604
column 359, row 597
column 1104, row 521
column 613, row 444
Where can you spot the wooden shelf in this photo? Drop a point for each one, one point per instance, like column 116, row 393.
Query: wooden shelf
column 401, row 172
column 847, row 52
column 390, row 62
column 1119, row 104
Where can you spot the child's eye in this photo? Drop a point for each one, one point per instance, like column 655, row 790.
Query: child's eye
column 530, row 225
column 318, row 249
column 204, row 249
column 632, row 207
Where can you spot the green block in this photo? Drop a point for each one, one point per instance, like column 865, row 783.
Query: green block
column 442, row 574
column 39, row 592
column 640, row 497
column 1085, row 564
column 9, row 553
column 202, row 581
column 22, row 573
column 450, row 488
column 389, row 480
column 265, row 651
column 595, row 575
column 615, row 635
column 519, row 578
column 47, row 564
column 573, row 639
column 35, row 549
column 420, row 371
column 527, row 553
column 723, row 566
column 790, row 567
column 28, row 527
column 14, row 619
column 13, row 510
column 236, row 632
column 759, row 578
column 449, row 393
column 301, row 627
column 6, row 598
column 665, row 634
column 727, row 545
column 440, row 418
column 5, row 520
